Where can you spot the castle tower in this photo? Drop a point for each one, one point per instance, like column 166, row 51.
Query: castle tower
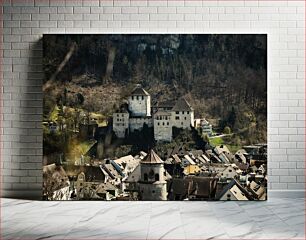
column 162, row 126
column 182, row 114
column 140, row 102
column 152, row 184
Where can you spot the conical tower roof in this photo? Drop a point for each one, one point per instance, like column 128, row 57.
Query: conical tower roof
column 152, row 158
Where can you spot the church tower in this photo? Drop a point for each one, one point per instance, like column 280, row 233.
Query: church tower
column 140, row 102
column 152, row 184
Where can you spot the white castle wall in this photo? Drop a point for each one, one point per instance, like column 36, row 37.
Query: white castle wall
column 120, row 124
column 183, row 119
column 137, row 123
column 163, row 127
column 140, row 105
column 153, row 192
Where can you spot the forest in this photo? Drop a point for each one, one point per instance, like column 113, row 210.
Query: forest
column 223, row 76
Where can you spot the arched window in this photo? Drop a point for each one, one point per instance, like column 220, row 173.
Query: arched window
column 156, row 177
column 145, row 177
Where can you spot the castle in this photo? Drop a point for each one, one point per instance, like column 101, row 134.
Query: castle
column 161, row 117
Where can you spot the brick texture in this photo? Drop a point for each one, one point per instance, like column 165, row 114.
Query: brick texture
column 24, row 22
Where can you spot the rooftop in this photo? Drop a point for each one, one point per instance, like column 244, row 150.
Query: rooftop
column 182, row 105
column 152, row 158
column 140, row 91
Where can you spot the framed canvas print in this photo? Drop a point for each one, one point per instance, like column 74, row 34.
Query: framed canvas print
column 155, row 117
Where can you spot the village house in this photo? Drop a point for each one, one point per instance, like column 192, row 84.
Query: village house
column 229, row 172
column 204, row 125
column 56, row 183
column 107, row 191
column 234, row 191
column 258, row 190
column 193, row 188
column 186, row 161
column 88, row 178
column 162, row 118
column 192, row 170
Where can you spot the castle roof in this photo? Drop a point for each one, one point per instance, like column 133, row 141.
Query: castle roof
column 166, row 104
column 152, row 158
column 182, row 105
column 163, row 113
column 140, row 91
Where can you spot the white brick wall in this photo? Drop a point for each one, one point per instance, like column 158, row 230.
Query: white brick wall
column 24, row 22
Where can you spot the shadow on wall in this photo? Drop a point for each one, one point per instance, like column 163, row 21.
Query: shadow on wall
column 26, row 157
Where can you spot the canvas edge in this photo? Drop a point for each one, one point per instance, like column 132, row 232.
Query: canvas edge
column 37, row 194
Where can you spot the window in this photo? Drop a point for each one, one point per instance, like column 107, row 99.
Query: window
column 185, row 118
column 142, row 98
column 163, row 124
column 145, row 177
column 187, row 112
column 156, row 177
column 182, row 123
column 177, row 112
column 158, row 123
column 122, row 115
column 183, row 112
column 177, row 118
column 137, row 98
column 118, row 115
column 117, row 119
column 132, row 97
column 167, row 123
column 230, row 170
column 228, row 196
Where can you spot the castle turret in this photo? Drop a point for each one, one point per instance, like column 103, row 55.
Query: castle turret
column 152, row 184
column 162, row 126
column 121, row 123
column 182, row 114
column 140, row 102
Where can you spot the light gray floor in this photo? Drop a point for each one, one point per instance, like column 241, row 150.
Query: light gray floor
column 274, row 219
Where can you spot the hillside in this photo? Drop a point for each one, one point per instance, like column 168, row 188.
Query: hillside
column 222, row 76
